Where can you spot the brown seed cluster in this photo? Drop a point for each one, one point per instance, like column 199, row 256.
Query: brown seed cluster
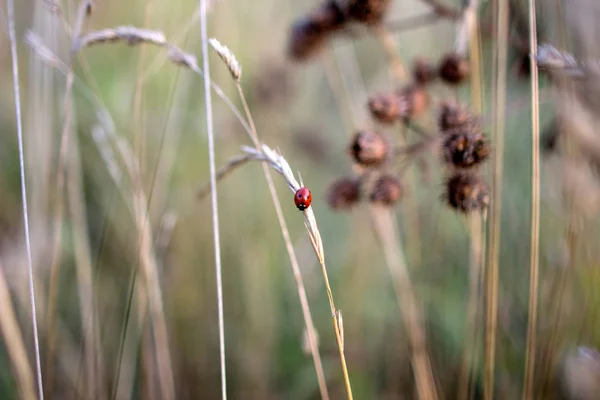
column 309, row 33
column 423, row 71
column 344, row 193
column 408, row 103
column 369, row 149
column 464, row 148
column 454, row 69
column 385, row 108
column 387, row 190
column 367, row 11
column 452, row 116
column 466, row 192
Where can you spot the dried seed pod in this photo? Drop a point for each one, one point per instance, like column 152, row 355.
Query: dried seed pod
column 454, row 68
column 368, row 148
column 466, row 192
column 464, row 149
column 385, row 107
column 308, row 34
column 452, row 116
column 579, row 375
column 413, row 100
column 423, row 71
column 343, row 193
column 328, row 17
column 305, row 40
column 387, row 191
column 367, row 11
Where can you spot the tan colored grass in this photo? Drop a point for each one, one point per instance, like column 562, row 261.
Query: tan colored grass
column 499, row 72
column 528, row 389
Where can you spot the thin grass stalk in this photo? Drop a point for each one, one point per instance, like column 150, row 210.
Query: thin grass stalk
column 60, row 180
column 390, row 237
column 19, row 122
column 547, row 364
column 477, row 237
column 83, row 265
column 528, row 390
column 499, row 71
column 310, row 328
column 214, row 200
column 389, row 46
column 13, row 340
column 281, row 166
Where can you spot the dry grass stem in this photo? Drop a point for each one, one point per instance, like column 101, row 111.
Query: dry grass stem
column 13, row 339
column 477, row 238
column 214, row 199
column 19, row 123
column 60, row 182
column 499, row 72
column 229, row 58
column 413, row 319
column 278, row 163
column 231, row 165
column 389, row 46
column 528, row 391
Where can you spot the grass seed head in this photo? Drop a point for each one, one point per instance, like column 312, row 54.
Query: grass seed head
column 368, row 148
column 343, row 193
column 387, row 191
column 228, row 58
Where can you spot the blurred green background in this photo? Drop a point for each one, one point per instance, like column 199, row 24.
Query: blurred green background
column 157, row 110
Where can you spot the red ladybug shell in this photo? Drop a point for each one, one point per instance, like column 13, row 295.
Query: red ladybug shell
column 302, row 198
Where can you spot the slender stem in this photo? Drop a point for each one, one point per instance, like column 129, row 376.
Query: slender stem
column 498, row 113
column 213, row 184
column 17, row 93
column 60, row 183
column 310, row 328
column 476, row 228
column 390, row 239
column 535, row 210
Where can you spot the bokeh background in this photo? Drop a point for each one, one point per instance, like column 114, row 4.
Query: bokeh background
column 86, row 273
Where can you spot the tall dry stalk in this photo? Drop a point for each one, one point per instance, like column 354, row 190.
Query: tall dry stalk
column 235, row 70
column 535, row 210
column 214, row 200
column 477, row 238
column 60, row 183
column 19, row 121
column 387, row 230
column 13, row 340
column 281, row 166
column 499, row 71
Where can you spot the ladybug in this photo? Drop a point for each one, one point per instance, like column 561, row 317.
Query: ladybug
column 302, row 198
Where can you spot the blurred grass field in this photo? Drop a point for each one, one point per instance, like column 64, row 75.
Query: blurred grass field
column 158, row 109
